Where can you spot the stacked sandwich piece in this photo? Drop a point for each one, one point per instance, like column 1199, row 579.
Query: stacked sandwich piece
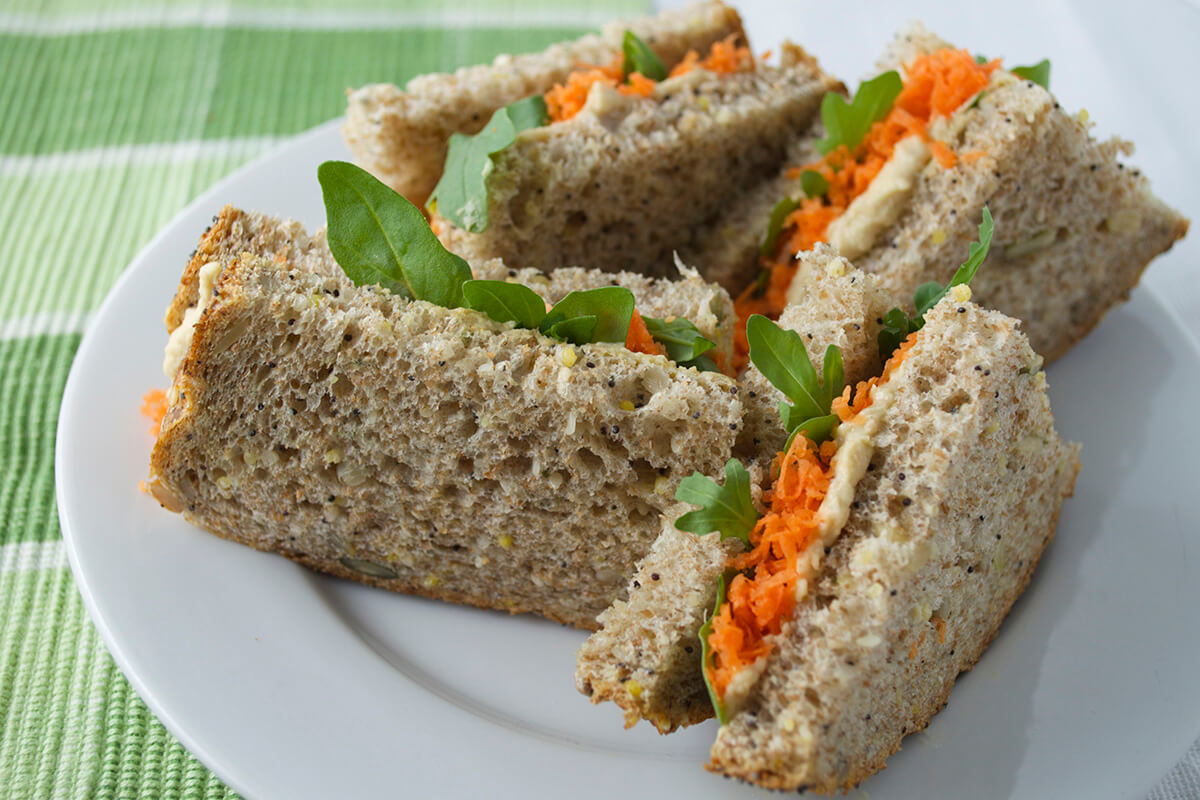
column 804, row 511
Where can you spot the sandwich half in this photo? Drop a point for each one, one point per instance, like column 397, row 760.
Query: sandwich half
column 879, row 565
column 621, row 170
column 422, row 448
column 400, row 135
column 895, row 179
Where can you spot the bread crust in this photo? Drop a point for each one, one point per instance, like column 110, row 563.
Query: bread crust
column 401, row 135
column 291, row 427
column 844, row 651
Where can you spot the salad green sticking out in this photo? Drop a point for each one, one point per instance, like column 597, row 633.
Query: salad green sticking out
column 847, row 124
column 780, row 355
column 595, row 315
column 506, row 302
column 1039, row 73
column 813, row 183
column 683, row 341
column 705, row 650
column 379, row 237
column 640, row 58
column 775, row 225
column 897, row 325
column 610, row 306
column 727, row 509
column 461, row 194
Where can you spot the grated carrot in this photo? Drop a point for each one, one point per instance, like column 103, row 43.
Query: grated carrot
column 724, row 57
column 567, row 99
column 758, row 603
column 154, row 408
column 639, row 339
column 935, row 85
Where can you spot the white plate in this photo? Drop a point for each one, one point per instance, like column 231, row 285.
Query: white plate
column 292, row 685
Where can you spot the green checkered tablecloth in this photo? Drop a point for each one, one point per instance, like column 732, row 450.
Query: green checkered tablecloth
column 113, row 120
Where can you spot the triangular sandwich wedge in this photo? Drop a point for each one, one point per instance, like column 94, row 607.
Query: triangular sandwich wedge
column 874, row 567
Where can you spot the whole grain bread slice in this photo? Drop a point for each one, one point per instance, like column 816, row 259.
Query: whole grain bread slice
column 400, row 135
column 422, row 449
column 646, row 655
column 831, row 302
column 960, row 493
column 630, row 180
column 1075, row 227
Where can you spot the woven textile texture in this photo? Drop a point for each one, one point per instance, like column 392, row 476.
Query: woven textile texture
column 113, row 121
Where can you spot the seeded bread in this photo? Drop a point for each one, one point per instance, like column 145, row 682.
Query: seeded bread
column 961, row 493
column 629, row 180
column 421, row 449
column 732, row 245
column 646, row 655
column 1075, row 228
column 961, row 497
column 831, row 302
column 234, row 232
column 400, row 135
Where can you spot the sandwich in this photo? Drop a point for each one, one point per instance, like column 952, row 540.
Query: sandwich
column 401, row 135
column 821, row 608
column 369, row 405
column 894, row 178
column 626, row 163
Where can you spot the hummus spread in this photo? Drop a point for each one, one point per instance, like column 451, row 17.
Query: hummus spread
column 181, row 338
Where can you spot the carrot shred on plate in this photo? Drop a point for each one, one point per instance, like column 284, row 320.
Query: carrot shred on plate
column 154, row 408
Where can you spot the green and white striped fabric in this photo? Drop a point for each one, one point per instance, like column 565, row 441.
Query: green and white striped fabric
column 113, row 120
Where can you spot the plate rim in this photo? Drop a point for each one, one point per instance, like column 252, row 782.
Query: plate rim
column 64, row 447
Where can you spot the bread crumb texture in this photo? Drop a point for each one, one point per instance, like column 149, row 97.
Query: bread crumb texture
column 622, row 188
column 1075, row 227
column 961, row 496
column 424, row 449
column 400, row 135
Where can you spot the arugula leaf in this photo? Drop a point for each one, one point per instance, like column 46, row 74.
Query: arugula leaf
column 701, row 363
column 926, row 297
column 461, row 194
column 704, row 633
column 813, row 183
column 780, row 356
column 610, row 306
column 640, row 58
column 726, row 509
column 379, row 237
column 683, row 340
column 897, row 325
column 833, row 374
column 578, row 330
column 848, row 123
column 775, row 225
column 506, row 302
column 896, row 328
column 1039, row 73
column 528, row 112
column 817, row 429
